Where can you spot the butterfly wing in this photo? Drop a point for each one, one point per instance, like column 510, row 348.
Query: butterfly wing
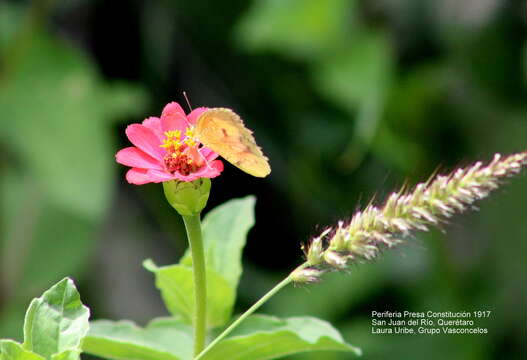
column 223, row 131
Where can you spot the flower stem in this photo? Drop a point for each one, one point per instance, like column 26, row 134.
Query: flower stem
column 251, row 310
column 193, row 227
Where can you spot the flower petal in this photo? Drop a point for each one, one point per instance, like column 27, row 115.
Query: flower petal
column 208, row 154
column 145, row 139
column 160, row 176
column 209, row 170
column 173, row 118
column 217, row 165
column 154, row 123
column 190, row 177
column 138, row 176
column 172, row 108
column 133, row 157
column 195, row 114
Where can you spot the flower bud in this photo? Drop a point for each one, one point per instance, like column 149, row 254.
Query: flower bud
column 187, row 197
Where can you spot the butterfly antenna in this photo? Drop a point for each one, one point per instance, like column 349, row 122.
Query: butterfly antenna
column 186, row 98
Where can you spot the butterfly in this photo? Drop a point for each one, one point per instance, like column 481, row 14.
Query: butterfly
column 223, row 131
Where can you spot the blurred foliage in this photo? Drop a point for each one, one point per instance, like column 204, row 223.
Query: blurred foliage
column 349, row 99
column 56, row 166
column 327, row 36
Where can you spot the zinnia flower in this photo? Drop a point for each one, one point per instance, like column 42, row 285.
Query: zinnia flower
column 165, row 149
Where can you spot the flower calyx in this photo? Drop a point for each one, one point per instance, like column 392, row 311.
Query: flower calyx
column 188, row 198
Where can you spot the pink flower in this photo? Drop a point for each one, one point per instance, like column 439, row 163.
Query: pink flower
column 165, row 149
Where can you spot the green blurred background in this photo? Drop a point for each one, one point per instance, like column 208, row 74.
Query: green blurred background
column 349, row 99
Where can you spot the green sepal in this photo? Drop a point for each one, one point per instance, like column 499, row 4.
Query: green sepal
column 188, row 198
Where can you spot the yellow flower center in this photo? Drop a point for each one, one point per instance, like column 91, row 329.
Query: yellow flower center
column 182, row 155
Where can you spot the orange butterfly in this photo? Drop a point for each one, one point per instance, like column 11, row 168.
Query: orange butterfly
column 223, row 131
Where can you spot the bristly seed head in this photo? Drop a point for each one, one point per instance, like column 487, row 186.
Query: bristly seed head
column 306, row 275
column 375, row 228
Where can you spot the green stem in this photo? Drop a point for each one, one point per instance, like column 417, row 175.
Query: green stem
column 251, row 310
column 193, row 226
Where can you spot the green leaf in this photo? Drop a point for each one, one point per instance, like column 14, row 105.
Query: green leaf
column 225, row 231
column 56, row 322
column 162, row 339
column 176, row 284
column 11, row 350
column 262, row 337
